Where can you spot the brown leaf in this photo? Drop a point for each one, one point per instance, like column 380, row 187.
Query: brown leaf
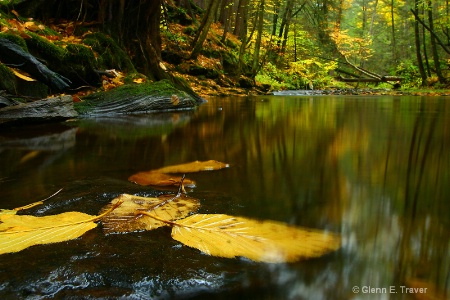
column 127, row 217
column 159, row 179
column 175, row 100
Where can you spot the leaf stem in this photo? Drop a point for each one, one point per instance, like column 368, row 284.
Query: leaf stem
column 38, row 202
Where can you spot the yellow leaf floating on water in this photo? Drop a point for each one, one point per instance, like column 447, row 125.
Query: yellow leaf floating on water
column 126, row 217
column 159, row 179
column 196, row 166
column 264, row 241
column 18, row 232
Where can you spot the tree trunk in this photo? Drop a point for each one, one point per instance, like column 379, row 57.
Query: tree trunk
column 243, row 35
column 225, row 18
column 255, row 66
column 202, row 32
column 275, row 16
column 434, row 51
column 287, row 22
column 394, row 47
column 417, row 41
column 425, row 52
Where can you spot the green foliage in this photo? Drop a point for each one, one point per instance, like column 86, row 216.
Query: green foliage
column 304, row 74
column 174, row 37
column 410, row 72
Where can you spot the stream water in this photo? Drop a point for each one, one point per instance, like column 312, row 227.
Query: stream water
column 375, row 170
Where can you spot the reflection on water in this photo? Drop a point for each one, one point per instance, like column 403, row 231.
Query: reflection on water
column 376, row 170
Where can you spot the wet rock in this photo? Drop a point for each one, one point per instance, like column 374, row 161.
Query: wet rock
column 45, row 110
column 5, row 101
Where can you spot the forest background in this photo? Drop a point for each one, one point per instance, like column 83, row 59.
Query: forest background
column 231, row 46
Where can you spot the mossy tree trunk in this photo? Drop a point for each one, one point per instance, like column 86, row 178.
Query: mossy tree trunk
column 137, row 26
column 134, row 24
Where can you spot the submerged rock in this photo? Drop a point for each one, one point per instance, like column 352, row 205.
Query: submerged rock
column 45, row 110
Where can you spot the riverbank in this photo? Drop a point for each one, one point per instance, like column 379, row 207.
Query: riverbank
column 87, row 61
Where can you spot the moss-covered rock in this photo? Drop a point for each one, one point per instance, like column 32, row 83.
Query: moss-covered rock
column 80, row 54
column 75, row 61
column 45, row 49
column 111, row 56
column 83, row 65
column 136, row 98
column 16, row 39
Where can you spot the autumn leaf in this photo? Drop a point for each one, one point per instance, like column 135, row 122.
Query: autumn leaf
column 159, row 179
column 175, row 100
column 139, row 80
column 20, row 232
column 128, row 218
column 32, row 26
column 196, row 166
column 263, row 241
column 22, row 75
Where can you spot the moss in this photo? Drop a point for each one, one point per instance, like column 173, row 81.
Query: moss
column 15, row 39
column 7, row 79
column 111, row 55
column 80, row 54
column 46, row 49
